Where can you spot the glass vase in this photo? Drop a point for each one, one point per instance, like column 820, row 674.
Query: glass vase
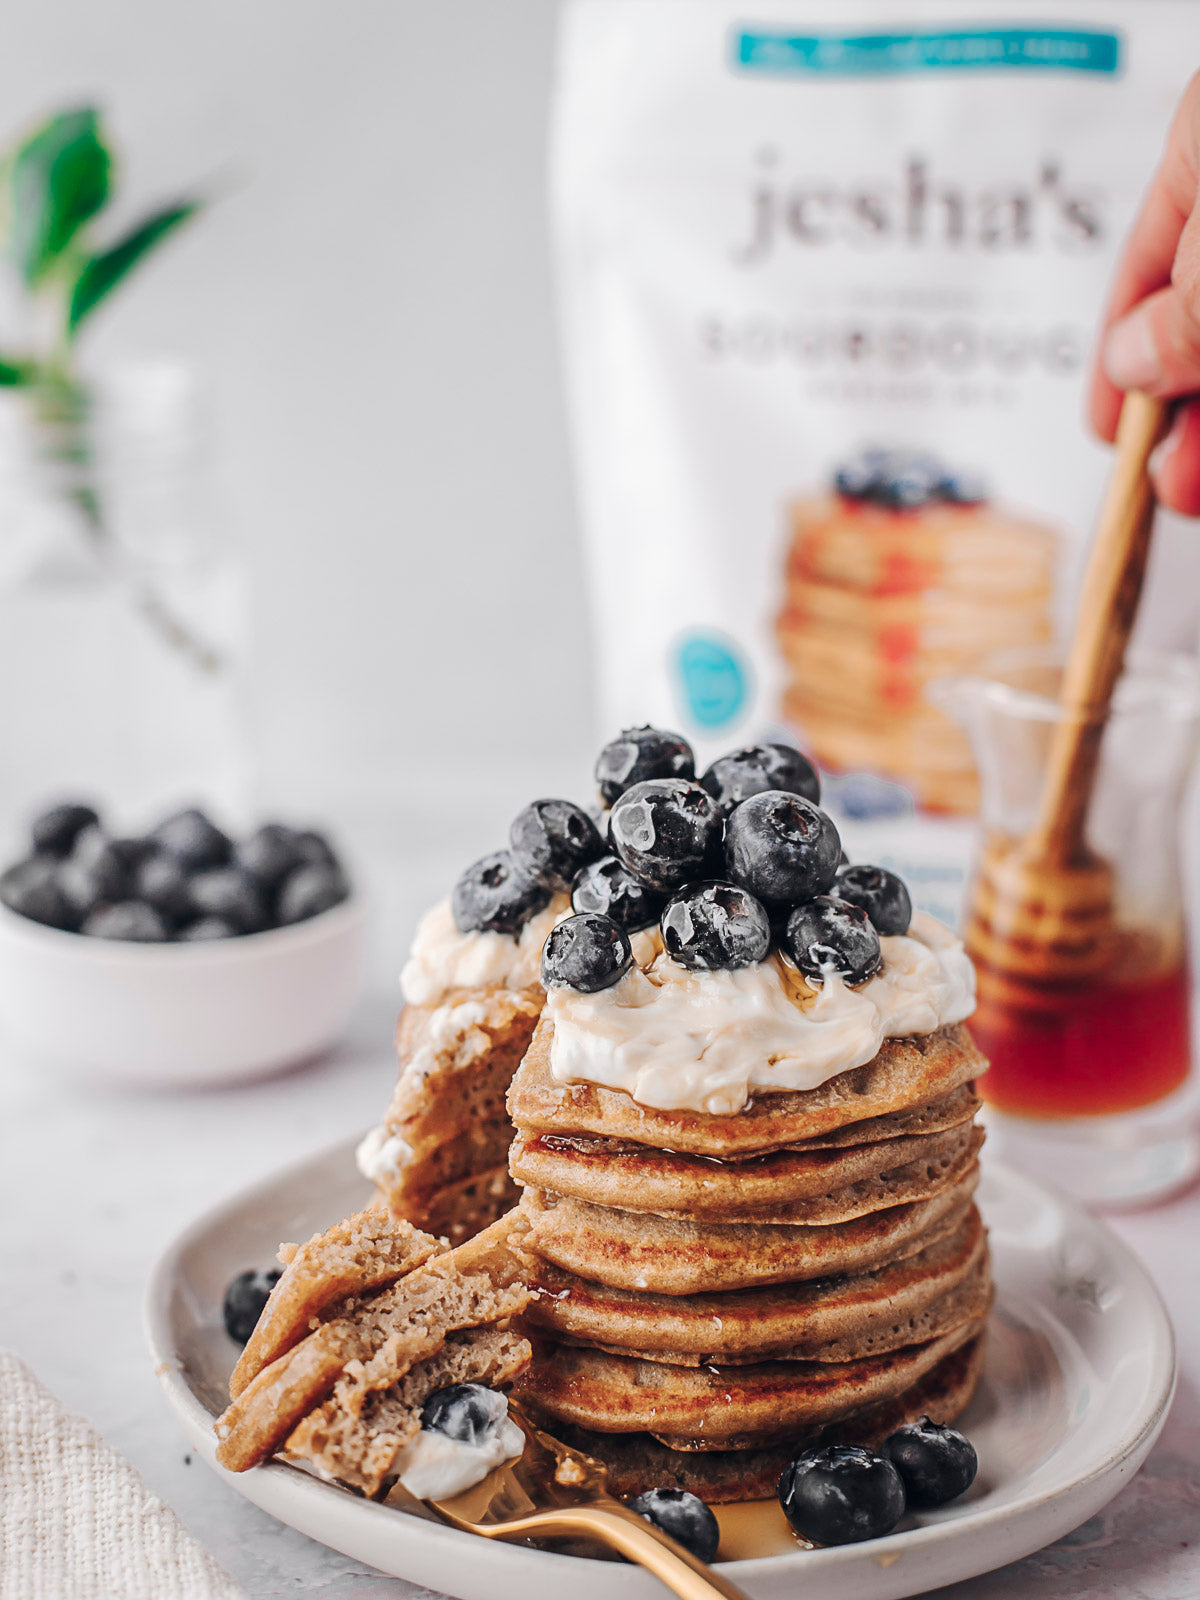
column 122, row 607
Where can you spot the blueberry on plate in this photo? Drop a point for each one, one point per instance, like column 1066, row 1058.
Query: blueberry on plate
column 841, row 1494
column 935, row 1463
column 735, row 777
column 244, row 1301
column 226, row 892
column 32, row 890
column 310, row 890
column 161, row 882
column 608, row 886
column 130, row 920
column 715, row 927
column 682, row 1515
column 587, row 952
column 781, row 847
column 639, row 754
column 467, row 1412
column 832, row 938
column 667, row 831
column 205, row 928
column 495, row 895
column 195, row 841
column 878, row 892
column 96, row 873
column 552, row 840
column 269, row 854
column 55, row 831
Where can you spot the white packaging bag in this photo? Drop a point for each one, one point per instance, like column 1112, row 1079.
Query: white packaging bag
column 789, row 233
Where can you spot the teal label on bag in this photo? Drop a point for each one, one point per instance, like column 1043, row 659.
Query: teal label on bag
column 848, row 55
column 713, row 678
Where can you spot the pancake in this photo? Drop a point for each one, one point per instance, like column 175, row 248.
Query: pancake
column 906, row 1073
column 367, row 1344
column 678, row 1256
column 444, row 1140
column 822, row 1186
column 715, row 1407
column 637, row 1461
column 829, row 1319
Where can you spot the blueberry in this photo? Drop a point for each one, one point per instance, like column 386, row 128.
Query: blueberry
column 195, row 842
column 781, row 847
column 639, row 754
column 162, row 883
column 269, row 854
column 205, row 928
column 859, row 478
column 310, row 890
column 715, row 926
column 734, row 778
column 129, row 920
column 55, row 831
column 962, row 488
column 667, row 831
column 552, row 840
column 841, row 1494
column 315, row 848
column 608, row 886
column 908, row 480
column 468, row 1412
column 682, row 1515
column 96, row 873
column 226, row 892
column 936, row 1463
column 32, row 890
column 832, row 938
column 881, row 894
column 586, row 952
column 494, row 895
column 244, row 1301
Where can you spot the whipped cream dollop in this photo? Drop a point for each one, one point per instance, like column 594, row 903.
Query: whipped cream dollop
column 443, row 959
column 382, row 1155
column 706, row 1041
column 433, row 1466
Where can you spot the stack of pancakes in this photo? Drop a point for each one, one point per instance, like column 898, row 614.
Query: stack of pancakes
column 716, row 1290
column 882, row 600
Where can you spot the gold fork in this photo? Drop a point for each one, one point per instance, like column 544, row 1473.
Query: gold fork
column 555, row 1492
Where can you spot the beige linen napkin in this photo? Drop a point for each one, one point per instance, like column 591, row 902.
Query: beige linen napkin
column 76, row 1520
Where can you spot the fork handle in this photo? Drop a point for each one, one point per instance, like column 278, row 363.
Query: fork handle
column 633, row 1537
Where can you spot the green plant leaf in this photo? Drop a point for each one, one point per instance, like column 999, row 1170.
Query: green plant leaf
column 103, row 272
column 12, row 374
column 60, row 179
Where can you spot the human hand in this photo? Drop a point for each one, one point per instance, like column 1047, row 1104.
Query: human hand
column 1151, row 335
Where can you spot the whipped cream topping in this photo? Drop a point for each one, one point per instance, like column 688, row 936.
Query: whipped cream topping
column 706, row 1041
column 433, row 1466
column 382, row 1155
column 443, row 959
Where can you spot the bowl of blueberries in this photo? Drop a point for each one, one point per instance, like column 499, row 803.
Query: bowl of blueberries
column 179, row 956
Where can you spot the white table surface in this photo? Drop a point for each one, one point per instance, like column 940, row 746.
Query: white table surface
column 94, row 1184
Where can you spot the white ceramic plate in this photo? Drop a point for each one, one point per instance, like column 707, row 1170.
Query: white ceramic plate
column 1079, row 1376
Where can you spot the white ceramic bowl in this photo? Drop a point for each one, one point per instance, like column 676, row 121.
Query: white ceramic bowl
column 170, row 1015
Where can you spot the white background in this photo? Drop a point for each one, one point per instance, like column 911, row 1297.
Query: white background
column 369, row 301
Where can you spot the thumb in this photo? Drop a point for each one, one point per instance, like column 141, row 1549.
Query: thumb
column 1155, row 347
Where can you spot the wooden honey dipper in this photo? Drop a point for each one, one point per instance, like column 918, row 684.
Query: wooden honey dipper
column 1041, row 923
